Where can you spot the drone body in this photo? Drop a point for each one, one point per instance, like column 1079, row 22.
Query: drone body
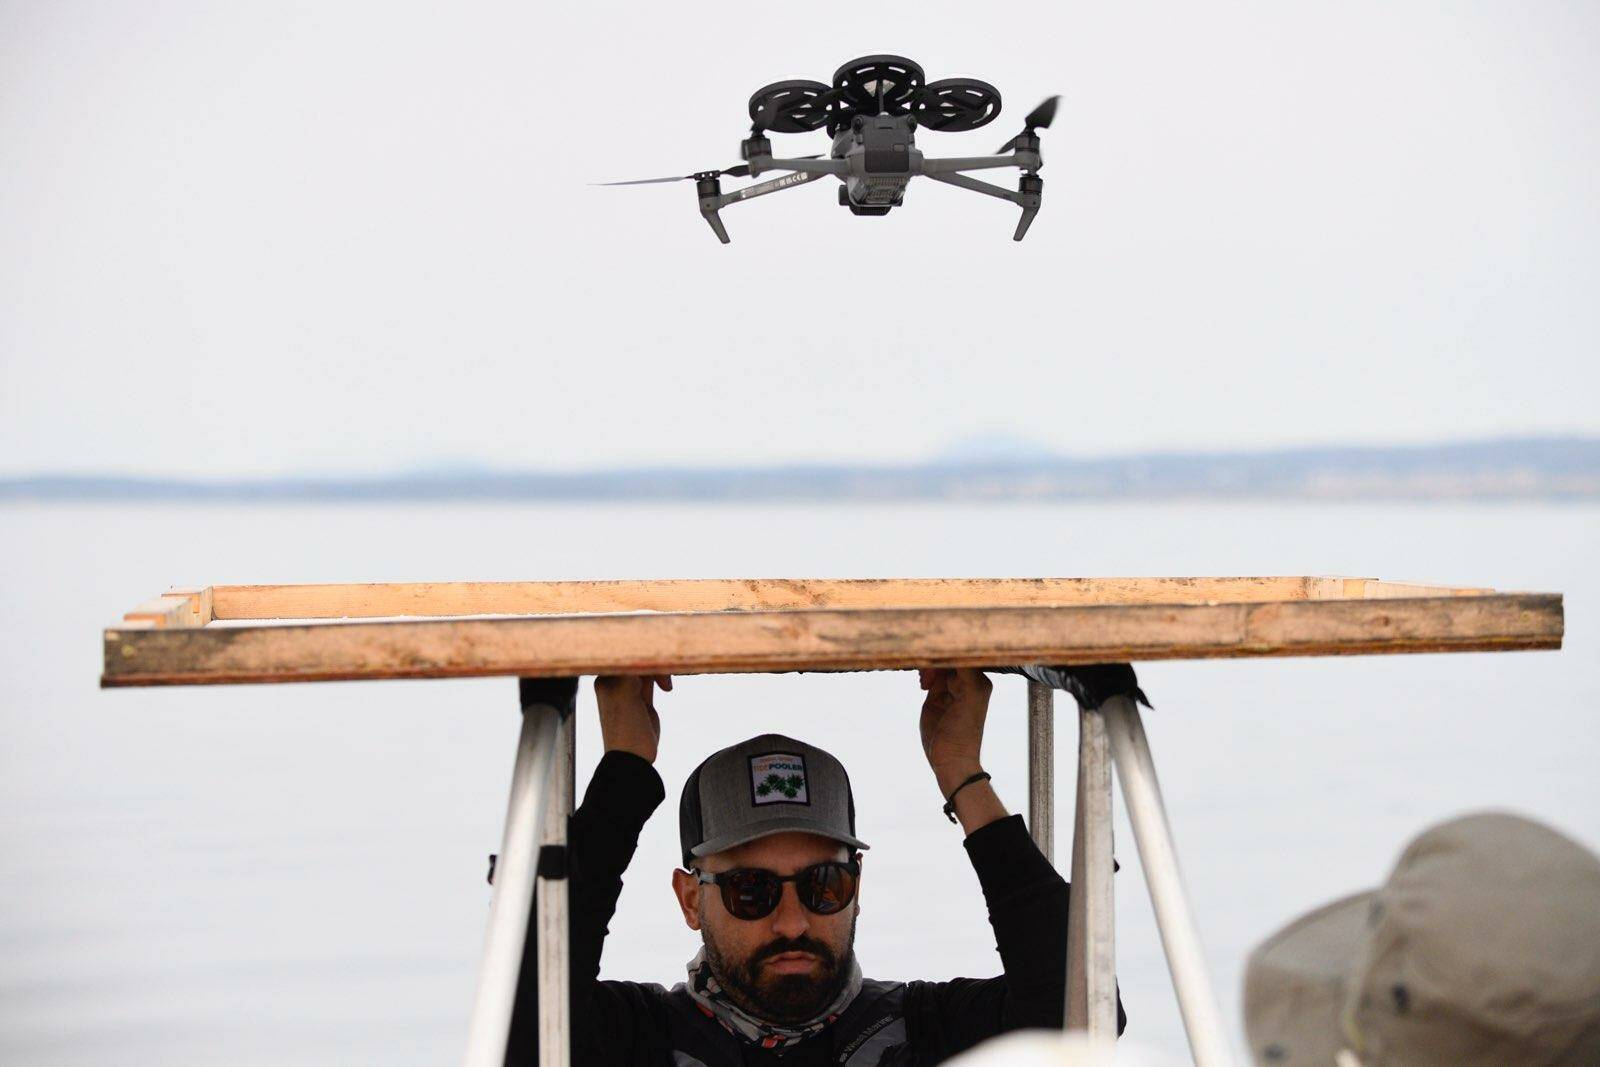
column 872, row 111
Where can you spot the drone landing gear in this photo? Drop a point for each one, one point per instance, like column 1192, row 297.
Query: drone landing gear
column 710, row 192
column 1030, row 194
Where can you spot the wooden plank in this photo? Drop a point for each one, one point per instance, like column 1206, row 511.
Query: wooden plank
column 834, row 639
column 439, row 599
column 175, row 608
column 200, row 601
column 1373, row 589
column 1376, row 590
column 161, row 611
column 1336, row 588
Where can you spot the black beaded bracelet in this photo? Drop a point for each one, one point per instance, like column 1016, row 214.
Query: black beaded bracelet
column 950, row 801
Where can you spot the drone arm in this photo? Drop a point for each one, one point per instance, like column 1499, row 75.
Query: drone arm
column 1027, row 198
column 711, row 203
column 977, row 186
column 788, row 181
column 815, row 167
column 1029, row 161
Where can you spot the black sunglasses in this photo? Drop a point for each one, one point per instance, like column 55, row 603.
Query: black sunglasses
column 752, row 893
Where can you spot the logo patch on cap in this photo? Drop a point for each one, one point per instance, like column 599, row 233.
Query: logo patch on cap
column 778, row 778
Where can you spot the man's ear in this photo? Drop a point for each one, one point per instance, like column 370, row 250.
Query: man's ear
column 860, row 869
column 686, row 887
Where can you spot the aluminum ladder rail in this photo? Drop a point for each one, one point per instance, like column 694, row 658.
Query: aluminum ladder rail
column 1111, row 731
column 530, row 882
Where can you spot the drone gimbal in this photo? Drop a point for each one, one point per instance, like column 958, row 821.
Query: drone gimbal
column 872, row 112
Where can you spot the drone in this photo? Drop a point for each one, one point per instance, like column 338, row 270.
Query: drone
column 872, row 112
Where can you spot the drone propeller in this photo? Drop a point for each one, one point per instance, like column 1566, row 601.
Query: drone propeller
column 791, row 107
column 1038, row 119
column 742, row 170
column 955, row 105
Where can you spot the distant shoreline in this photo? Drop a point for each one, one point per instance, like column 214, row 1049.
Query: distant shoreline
column 1511, row 469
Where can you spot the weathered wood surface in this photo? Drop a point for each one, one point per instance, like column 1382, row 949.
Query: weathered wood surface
column 440, row 599
column 829, row 638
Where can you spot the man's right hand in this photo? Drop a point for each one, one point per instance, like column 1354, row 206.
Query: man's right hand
column 628, row 719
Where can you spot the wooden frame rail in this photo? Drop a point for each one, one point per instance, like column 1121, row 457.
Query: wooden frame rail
column 287, row 633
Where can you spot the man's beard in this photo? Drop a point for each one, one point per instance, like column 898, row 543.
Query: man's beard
column 786, row 999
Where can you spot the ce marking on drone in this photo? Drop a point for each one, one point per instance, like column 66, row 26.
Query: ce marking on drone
column 872, row 112
column 773, row 186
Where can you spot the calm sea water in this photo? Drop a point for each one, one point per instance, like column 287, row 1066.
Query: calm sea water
column 295, row 874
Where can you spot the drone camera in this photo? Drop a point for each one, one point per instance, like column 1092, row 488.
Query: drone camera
column 866, row 209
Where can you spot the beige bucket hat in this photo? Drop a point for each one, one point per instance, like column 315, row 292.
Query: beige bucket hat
column 1481, row 950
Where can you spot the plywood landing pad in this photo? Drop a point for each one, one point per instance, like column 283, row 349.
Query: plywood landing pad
column 304, row 633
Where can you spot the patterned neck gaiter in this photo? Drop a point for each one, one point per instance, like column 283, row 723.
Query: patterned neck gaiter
column 709, row 995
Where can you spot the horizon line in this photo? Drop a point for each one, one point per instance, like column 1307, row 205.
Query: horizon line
column 438, row 468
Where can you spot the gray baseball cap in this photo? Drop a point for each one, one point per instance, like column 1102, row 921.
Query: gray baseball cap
column 766, row 785
column 1482, row 948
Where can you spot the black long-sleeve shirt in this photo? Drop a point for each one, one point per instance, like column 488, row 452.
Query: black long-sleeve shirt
column 630, row 1024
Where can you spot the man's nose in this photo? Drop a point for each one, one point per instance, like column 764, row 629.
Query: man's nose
column 790, row 918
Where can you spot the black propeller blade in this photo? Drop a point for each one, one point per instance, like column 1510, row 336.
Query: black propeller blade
column 1039, row 118
column 1042, row 116
column 741, row 170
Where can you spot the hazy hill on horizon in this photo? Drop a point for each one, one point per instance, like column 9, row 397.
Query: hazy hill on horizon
column 1510, row 468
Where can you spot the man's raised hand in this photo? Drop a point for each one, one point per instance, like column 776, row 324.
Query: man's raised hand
column 952, row 722
column 952, row 737
column 628, row 718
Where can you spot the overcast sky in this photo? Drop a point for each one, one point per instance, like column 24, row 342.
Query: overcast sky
column 250, row 237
